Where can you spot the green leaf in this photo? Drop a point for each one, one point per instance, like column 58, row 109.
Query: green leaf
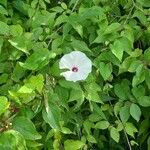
column 51, row 113
column 139, row 77
column 141, row 16
column 55, row 70
column 73, row 145
column 92, row 86
column 4, row 104
column 124, row 113
column 88, row 125
column 148, row 142
column 79, row 29
column 16, row 30
column 63, row 94
column 135, row 111
column 135, row 53
column 114, row 134
column 22, row 43
column 105, row 70
column 117, row 108
column 102, row 125
column 129, row 33
column 92, row 92
column 26, row 93
column 147, row 78
column 3, row 78
column 112, row 28
column 144, row 126
column 117, row 49
column 122, row 90
column 25, row 90
column 147, row 54
column 130, row 129
column 18, row 72
column 56, row 44
column 12, row 140
column 36, row 82
column 129, row 64
column 61, row 19
column 76, row 95
column 4, row 2
column 26, row 128
column 4, row 30
column 33, row 144
column 34, row 3
column 66, row 130
column 144, row 101
column 94, row 96
column 89, row 13
column 42, row 4
column 66, row 29
column 80, row 45
column 91, row 138
column 98, row 110
column 21, row 7
column 138, row 91
column 121, row 45
column 70, row 84
column 57, row 9
column 43, row 19
column 3, row 11
column 38, row 59
column 1, row 43
column 144, row 3
column 107, row 56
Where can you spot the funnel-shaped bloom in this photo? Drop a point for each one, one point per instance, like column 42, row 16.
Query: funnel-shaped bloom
column 78, row 65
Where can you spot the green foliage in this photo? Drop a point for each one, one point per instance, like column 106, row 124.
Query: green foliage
column 26, row 128
column 102, row 125
column 4, row 105
column 135, row 112
column 40, row 110
column 12, row 140
column 114, row 134
column 74, row 145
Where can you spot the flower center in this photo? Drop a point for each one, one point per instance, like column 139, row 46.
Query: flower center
column 74, row 69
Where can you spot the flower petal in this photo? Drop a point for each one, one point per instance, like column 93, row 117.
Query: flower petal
column 86, row 66
column 79, row 57
column 74, row 76
column 66, row 62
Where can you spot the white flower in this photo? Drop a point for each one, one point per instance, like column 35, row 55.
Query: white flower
column 78, row 65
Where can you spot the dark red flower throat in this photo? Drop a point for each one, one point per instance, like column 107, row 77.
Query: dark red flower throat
column 75, row 69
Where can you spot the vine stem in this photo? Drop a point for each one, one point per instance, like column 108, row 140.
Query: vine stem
column 45, row 95
column 74, row 7
column 129, row 145
column 54, row 32
column 134, row 6
column 133, row 2
column 130, row 148
column 129, row 14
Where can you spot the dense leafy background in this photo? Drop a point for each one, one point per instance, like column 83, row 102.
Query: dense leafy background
column 39, row 109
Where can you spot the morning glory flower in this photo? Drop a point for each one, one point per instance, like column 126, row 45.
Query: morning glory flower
column 78, row 64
